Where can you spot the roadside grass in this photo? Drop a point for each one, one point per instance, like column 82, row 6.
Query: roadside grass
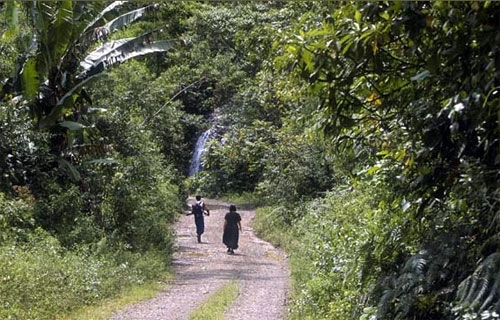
column 330, row 234
column 41, row 279
column 128, row 296
column 216, row 305
column 268, row 226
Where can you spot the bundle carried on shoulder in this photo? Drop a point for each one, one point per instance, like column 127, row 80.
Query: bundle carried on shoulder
column 198, row 209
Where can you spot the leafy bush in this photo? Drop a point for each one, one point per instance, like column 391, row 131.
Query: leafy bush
column 58, row 211
column 24, row 153
column 140, row 200
column 297, row 168
column 327, row 262
column 16, row 215
column 234, row 159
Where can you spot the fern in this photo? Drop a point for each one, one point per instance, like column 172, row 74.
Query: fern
column 405, row 288
column 79, row 152
column 480, row 292
column 416, row 290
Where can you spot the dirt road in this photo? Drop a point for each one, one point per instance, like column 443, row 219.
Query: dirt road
column 202, row 268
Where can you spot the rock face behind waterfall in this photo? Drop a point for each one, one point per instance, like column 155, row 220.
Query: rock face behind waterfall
column 198, row 152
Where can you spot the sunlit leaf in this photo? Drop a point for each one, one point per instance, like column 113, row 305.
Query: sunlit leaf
column 421, row 76
column 357, row 16
column 11, row 14
column 71, row 125
column 405, row 205
column 30, row 78
column 104, row 161
column 373, row 170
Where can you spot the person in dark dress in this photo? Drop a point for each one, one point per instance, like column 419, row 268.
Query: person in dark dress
column 232, row 228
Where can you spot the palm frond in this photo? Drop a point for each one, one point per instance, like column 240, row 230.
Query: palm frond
column 386, row 302
column 70, row 169
column 85, row 151
column 102, row 162
column 91, row 33
column 493, row 294
column 400, row 296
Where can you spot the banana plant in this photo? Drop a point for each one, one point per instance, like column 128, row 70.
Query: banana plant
column 59, row 64
column 71, row 47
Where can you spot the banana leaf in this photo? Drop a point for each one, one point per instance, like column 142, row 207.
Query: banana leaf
column 118, row 51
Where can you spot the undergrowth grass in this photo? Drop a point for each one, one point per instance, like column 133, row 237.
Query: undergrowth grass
column 43, row 280
column 324, row 244
column 268, row 226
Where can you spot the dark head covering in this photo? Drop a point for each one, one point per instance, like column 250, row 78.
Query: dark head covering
column 232, row 207
column 198, row 198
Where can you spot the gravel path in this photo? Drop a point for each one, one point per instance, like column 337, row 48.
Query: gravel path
column 202, row 268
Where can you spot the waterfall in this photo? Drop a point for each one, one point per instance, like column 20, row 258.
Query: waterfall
column 198, row 151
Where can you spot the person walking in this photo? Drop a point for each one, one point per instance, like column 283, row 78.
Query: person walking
column 232, row 228
column 199, row 210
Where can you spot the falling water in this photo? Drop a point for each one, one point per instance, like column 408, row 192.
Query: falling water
column 198, row 151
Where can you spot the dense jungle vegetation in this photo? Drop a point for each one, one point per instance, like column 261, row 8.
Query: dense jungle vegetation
column 368, row 131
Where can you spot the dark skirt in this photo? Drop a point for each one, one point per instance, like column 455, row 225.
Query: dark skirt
column 200, row 225
column 230, row 237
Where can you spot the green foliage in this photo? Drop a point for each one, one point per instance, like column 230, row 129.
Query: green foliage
column 107, row 198
column 234, row 159
column 408, row 88
column 16, row 217
column 140, row 217
column 271, row 224
column 41, row 279
column 296, row 167
column 328, row 247
column 21, row 150
column 140, row 201
column 399, row 99
column 59, row 210
column 160, row 114
column 52, row 79
column 11, row 17
column 325, row 265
